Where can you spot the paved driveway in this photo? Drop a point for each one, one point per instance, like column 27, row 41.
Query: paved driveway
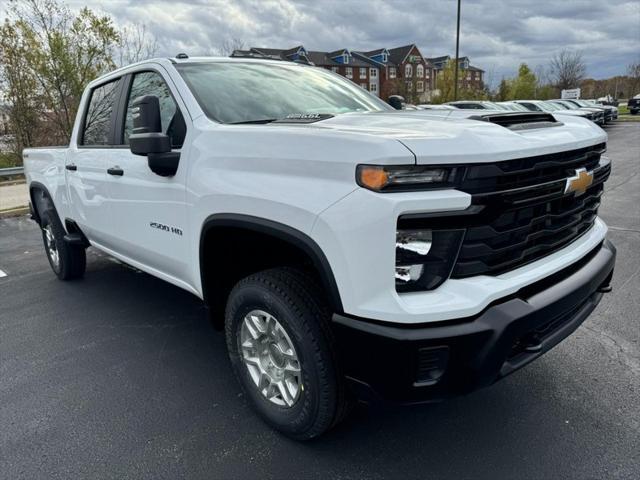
column 121, row 376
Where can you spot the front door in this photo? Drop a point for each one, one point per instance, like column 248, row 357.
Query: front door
column 149, row 211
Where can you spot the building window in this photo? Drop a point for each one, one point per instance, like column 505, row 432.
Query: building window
column 409, row 86
column 420, row 86
column 408, row 70
column 363, row 85
column 363, row 72
column 469, row 77
column 345, row 58
column 392, row 72
column 373, row 72
column 384, row 58
column 349, row 73
column 420, row 71
column 373, row 87
column 334, row 69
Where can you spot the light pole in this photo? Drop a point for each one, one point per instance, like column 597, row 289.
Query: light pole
column 455, row 85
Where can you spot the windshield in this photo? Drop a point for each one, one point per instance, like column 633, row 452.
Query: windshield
column 495, row 106
column 238, row 92
column 550, row 106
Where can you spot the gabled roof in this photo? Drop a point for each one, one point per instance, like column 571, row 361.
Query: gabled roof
column 364, row 56
column 373, row 53
column 439, row 59
column 474, row 69
column 398, row 55
column 337, row 53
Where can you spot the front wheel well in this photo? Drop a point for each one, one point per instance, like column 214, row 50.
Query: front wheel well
column 233, row 247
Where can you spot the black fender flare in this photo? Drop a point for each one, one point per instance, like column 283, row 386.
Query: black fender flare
column 36, row 203
column 282, row 232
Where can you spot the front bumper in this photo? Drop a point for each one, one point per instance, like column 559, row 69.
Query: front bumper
column 414, row 364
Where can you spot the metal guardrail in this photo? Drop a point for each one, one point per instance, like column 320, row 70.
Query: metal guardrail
column 11, row 172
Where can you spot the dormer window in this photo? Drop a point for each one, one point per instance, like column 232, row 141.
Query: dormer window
column 345, row 58
column 384, row 58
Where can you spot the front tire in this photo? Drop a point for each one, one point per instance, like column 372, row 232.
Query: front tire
column 281, row 349
column 67, row 261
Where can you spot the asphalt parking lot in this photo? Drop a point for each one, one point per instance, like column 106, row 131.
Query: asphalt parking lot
column 120, row 375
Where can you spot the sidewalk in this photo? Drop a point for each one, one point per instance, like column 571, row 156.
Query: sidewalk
column 13, row 196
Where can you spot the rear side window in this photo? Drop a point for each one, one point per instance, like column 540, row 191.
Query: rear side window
column 97, row 122
column 152, row 83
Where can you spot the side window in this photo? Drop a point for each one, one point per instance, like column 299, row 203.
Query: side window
column 97, row 121
column 151, row 83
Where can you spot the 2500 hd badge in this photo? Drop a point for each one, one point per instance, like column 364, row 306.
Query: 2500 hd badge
column 166, row 228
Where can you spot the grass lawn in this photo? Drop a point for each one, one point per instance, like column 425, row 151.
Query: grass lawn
column 9, row 160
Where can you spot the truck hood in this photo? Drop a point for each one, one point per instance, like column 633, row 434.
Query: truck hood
column 446, row 137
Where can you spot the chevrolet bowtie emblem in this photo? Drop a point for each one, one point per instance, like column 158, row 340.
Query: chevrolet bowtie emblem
column 579, row 182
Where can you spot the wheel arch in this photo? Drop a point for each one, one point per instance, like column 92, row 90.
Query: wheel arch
column 277, row 234
column 40, row 200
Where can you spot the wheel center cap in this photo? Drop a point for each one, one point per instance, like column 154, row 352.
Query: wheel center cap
column 276, row 356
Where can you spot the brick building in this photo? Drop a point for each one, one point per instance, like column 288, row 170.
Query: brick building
column 469, row 77
column 384, row 72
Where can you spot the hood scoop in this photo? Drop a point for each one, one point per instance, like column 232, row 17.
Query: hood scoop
column 520, row 121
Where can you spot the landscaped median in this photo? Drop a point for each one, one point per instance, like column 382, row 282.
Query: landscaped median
column 14, row 199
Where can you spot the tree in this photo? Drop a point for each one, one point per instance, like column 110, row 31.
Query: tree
column 524, row 85
column 445, row 80
column 49, row 54
column 136, row 44
column 567, row 69
column 504, row 90
column 18, row 83
column 633, row 82
column 228, row 46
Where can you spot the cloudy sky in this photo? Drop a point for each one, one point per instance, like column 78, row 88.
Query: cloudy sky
column 496, row 34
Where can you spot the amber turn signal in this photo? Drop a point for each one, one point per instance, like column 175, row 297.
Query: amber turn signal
column 373, row 177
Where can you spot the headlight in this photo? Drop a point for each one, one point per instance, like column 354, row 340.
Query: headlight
column 425, row 258
column 408, row 177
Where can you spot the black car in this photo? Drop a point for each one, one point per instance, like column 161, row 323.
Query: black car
column 634, row 105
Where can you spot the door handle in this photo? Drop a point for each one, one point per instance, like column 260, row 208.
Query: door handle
column 71, row 167
column 117, row 171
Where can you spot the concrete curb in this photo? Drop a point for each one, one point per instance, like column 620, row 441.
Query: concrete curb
column 14, row 212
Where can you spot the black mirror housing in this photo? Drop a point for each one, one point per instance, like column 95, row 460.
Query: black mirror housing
column 147, row 136
column 396, row 101
column 148, row 140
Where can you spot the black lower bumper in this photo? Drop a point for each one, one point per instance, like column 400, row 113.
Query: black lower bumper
column 413, row 364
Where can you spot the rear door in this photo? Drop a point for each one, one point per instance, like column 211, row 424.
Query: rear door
column 86, row 163
column 150, row 210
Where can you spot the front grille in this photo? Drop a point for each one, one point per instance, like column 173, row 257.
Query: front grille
column 524, row 212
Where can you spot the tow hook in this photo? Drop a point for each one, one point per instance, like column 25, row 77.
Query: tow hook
column 605, row 289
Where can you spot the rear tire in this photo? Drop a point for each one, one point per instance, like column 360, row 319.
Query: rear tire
column 270, row 303
column 67, row 261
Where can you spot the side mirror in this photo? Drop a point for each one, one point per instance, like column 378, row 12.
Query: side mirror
column 147, row 138
column 396, row 101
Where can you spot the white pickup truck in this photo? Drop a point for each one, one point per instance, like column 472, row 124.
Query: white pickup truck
column 348, row 250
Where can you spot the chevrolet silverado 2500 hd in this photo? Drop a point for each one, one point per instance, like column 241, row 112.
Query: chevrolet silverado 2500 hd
column 348, row 250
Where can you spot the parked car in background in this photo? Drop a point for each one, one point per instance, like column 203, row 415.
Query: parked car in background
column 600, row 103
column 610, row 113
column 634, row 105
column 550, row 107
column 513, row 106
column 476, row 105
column 598, row 114
column 426, row 106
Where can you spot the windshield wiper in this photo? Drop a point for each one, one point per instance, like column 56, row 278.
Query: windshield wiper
column 264, row 120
